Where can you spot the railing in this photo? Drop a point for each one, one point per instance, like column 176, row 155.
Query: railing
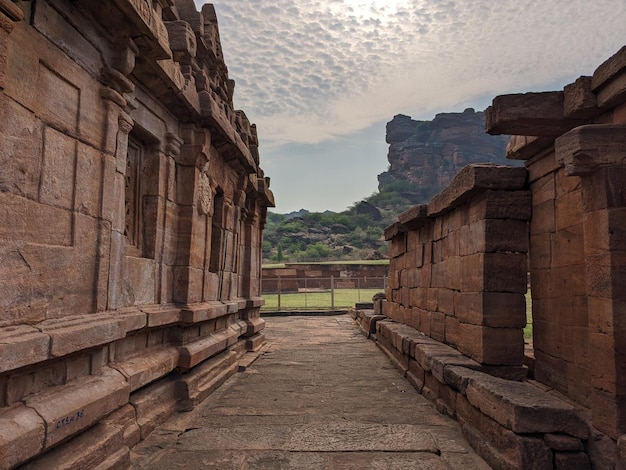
column 319, row 293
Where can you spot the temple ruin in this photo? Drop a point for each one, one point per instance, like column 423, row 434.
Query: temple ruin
column 131, row 211
column 455, row 307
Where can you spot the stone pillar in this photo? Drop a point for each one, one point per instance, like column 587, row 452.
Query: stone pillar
column 193, row 207
column 9, row 15
column 597, row 153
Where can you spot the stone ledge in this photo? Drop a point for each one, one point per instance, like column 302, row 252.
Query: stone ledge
column 255, row 302
column 192, row 388
column 609, row 80
column 510, row 423
column 149, row 366
column 196, row 352
column 474, row 179
column 254, row 325
column 71, row 408
column 202, row 312
column 75, row 333
column 22, row 345
column 22, row 435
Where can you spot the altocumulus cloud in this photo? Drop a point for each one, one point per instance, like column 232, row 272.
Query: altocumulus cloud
column 311, row 70
column 320, row 78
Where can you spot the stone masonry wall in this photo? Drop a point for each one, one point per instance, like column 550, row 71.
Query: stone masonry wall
column 458, row 265
column 131, row 213
column 573, row 144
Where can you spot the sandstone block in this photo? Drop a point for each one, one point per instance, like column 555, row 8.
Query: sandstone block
column 22, row 434
column 568, row 460
column 579, row 101
column 154, row 404
column 77, row 405
column 563, row 442
column 255, row 342
column 22, row 345
column 492, row 346
column 494, row 309
column 533, row 114
column 254, row 325
column 194, row 353
column 160, row 315
column 523, row 408
column 151, row 365
column 87, row 450
column 608, row 80
column 72, row 334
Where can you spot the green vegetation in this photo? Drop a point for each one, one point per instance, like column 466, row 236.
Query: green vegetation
column 354, row 234
column 344, row 298
column 528, row 331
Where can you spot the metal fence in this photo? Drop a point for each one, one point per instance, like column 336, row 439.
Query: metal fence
column 319, row 293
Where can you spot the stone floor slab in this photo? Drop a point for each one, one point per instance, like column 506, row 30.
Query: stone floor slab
column 319, row 396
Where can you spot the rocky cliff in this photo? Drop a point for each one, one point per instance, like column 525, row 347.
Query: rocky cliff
column 429, row 153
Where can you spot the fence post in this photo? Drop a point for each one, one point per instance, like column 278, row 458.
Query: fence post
column 279, row 293
column 306, row 289
column 358, row 288
column 332, row 293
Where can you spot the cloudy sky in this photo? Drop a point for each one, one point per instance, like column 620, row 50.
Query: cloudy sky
column 321, row 78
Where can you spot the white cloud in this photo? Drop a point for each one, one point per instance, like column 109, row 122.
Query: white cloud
column 309, row 71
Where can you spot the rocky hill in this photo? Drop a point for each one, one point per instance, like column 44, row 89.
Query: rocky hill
column 429, row 154
column 423, row 157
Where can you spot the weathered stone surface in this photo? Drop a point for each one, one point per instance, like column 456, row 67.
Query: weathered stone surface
column 147, row 367
column 532, row 114
column 22, row 345
column 81, row 332
column 609, row 81
column 71, row 408
column 22, row 434
column 563, row 442
column 429, row 154
column 523, row 408
column 194, row 353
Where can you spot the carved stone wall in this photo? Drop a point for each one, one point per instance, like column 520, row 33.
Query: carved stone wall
column 124, row 297
column 573, row 144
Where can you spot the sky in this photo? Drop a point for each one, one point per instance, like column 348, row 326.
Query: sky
column 321, row 78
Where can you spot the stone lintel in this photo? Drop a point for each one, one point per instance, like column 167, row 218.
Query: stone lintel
column 586, row 148
column 22, row 434
column 524, row 147
column 148, row 367
column 415, row 217
column 73, row 407
column 193, row 353
column 534, row 114
column 474, row 179
column 609, row 80
column 524, row 408
column 394, row 229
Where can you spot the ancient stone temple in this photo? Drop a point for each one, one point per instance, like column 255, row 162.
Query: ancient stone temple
column 131, row 211
column 455, row 310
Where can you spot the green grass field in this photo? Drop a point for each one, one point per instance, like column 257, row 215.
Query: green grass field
column 363, row 262
column 346, row 298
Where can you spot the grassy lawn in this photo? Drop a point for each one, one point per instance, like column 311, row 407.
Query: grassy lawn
column 363, row 262
column 344, row 298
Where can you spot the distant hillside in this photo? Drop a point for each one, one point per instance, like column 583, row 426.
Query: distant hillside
column 423, row 158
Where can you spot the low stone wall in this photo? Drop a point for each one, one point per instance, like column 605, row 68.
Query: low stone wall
column 293, row 276
column 458, row 265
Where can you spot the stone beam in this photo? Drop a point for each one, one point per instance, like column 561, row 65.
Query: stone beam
column 533, row 114
column 9, row 14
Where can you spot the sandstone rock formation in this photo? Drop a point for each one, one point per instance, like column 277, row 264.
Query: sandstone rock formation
column 430, row 153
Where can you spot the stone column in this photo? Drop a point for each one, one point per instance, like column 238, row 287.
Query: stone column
column 597, row 153
column 9, row 15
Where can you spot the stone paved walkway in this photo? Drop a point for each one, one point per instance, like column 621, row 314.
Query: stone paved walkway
column 320, row 396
